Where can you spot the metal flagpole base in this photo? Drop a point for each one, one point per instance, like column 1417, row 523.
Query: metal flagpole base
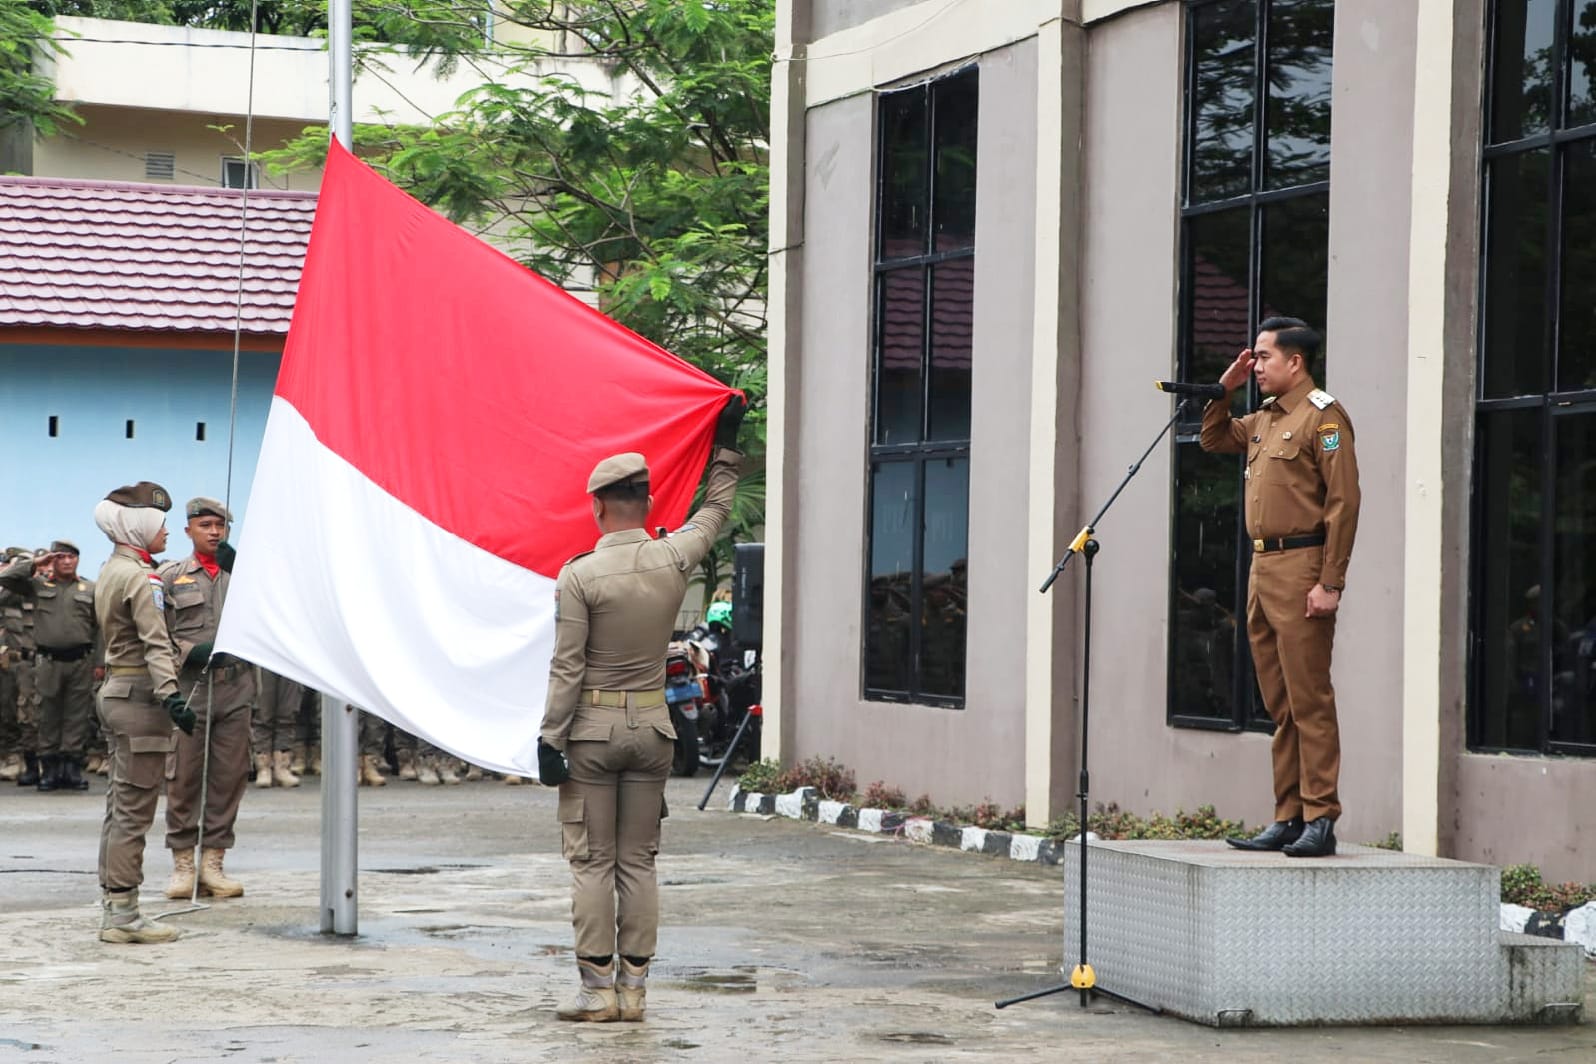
column 339, row 749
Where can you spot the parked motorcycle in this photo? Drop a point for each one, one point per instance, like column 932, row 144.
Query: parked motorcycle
column 733, row 687
column 685, row 692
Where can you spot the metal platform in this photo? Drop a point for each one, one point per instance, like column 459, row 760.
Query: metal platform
column 1369, row 936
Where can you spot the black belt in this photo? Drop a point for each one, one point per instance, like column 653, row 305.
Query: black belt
column 1267, row 546
column 66, row 653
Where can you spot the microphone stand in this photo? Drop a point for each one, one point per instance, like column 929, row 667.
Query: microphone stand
column 1082, row 978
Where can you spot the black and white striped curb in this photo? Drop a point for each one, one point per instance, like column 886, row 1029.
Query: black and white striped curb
column 1576, row 925
column 806, row 804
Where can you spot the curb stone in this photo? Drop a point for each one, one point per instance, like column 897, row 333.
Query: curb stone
column 806, row 804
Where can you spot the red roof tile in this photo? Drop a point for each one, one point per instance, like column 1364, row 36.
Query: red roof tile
column 116, row 255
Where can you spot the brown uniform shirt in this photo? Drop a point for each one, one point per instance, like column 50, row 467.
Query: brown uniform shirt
column 615, row 605
column 63, row 614
column 129, row 603
column 1302, row 470
column 193, row 604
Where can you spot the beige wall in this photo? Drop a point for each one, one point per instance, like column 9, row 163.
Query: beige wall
column 111, row 144
column 829, row 16
column 957, row 755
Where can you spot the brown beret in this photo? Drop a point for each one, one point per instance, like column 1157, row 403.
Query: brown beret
column 144, row 494
column 64, row 546
column 200, row 506
column 616, row 468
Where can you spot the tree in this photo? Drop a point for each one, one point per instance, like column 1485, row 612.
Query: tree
column 27, row 98
column 656, row 198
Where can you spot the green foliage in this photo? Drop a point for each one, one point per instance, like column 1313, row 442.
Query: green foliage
column 1112, row 822
column 26, row 96
column 879, row 796
column 761, row 776
column 1392, row 841
column 829, row 777
column 1522, row 885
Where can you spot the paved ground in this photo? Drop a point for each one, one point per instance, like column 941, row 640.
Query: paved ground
column 784, row 941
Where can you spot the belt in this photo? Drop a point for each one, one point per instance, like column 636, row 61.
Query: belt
column 624, row 699
column 128, row 670
column 77, row 653
column 1268, row 546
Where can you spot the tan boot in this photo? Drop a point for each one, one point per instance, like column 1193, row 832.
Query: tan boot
column 595, row 1001
column 91, row 765
column 263, row 770
column 181, row 885
column 313, row 764
column 513, row 781
column 631, row 990
column 213, row 880
column 11, row 767
column 446, row 771
column 407, row 765
column 427, row 772
column 282, row 771
column 369, row 774
column 105, row 766
column 121, row 921
column 473, row 773
column 296, row 762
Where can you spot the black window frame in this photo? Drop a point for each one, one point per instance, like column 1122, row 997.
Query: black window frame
column 926, row 451
column 1550, row 405
column 1247, row 710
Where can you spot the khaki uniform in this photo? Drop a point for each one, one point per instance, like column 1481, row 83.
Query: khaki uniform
column 18, row 613
column 194, row 602
column 276, row 713
column 65, row 657
column 140, row 672
column 615, row 607
column 1301, row 480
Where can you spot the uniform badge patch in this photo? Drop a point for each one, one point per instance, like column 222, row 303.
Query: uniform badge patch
column 1331, row 441
column 184, row 580
column 158, row 590
column 1321, row 399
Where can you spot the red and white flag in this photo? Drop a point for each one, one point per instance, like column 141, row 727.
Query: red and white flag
column 424, row 470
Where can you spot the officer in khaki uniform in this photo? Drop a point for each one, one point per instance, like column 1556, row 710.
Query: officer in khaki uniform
column 607, row 737
column 66, row 659
column 272, row 728
column 139, row 701
column 221, row 696
column 17, row 611
column 1302, row 514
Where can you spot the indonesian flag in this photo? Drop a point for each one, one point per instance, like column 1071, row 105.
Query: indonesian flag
column 424, row 470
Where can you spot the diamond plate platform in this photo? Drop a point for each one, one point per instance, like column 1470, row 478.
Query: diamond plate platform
column 1227, row 937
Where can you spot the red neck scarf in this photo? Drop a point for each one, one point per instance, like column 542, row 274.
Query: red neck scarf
column 146, row 555
column 208, row 563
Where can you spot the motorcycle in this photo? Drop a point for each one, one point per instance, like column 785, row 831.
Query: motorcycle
column 685, row 692
column 732, row 691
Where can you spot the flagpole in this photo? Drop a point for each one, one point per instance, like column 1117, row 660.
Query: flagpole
column 340, row 910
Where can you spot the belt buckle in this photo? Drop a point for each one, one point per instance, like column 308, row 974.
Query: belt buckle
column 1258, row 546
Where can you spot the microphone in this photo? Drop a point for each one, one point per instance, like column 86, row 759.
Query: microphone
column 1194, row 391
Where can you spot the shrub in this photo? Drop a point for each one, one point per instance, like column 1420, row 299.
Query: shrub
column 761, row 776
column 922, row 806
column 1522, row 885
column 1392, row 841
column 879, row 796
column 830, row 778
column 1112, row 822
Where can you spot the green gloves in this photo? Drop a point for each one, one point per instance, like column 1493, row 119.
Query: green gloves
column 198, row 655
column 553, row 768
column 731, row 418
column 226, row 556
column 177, row 708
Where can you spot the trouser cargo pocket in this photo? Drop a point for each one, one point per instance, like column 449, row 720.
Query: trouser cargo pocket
column 573, row 827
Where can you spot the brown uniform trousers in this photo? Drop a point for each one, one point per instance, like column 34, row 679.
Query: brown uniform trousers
column 276, row 713
column 66, row 705
column 1301, row 480
column 225, row 695
column 18, row 616
column 64, row 636
column 615, row 607
column 140, row 671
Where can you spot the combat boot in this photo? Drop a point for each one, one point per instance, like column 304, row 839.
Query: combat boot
column 427, row 772
column 407, row 765
column 263, row 770
column 631, row 990
column 121, row 921
column 49, row 773
column 473, row 772
column 513, row 781
column 11, row 768
column 313, row 760
column 91, row 765
column 595, row 1001
column 282, row 772
column 70, row 778
column 369, row 775
column 181, row 885
column 213, row 880
column 296, row 762
column 446, row 771
column 30, row 770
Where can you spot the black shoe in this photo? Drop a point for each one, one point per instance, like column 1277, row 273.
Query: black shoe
column 1276, row 836
column 1318, row 840
column 71, row 778
column 30, row 775
column 49, row 773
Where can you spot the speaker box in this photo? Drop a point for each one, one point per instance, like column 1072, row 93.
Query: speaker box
column 748, row 594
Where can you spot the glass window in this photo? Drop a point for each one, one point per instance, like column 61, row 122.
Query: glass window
column 1256, row 244
column 924, row 353
column 1533, row 591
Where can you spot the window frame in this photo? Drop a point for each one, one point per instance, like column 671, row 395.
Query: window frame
column 925, row 451
column 1247, row 712
column 251, row 170
column 1551, row 404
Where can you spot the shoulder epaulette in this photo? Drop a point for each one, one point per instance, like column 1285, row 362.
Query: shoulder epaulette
column 1321, row 399
column 576, row 557
column 1267, row 402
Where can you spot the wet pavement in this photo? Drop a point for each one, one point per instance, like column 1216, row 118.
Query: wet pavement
column 782, row 941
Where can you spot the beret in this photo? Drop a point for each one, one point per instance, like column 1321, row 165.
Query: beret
column 616, row 468
column 145, row 493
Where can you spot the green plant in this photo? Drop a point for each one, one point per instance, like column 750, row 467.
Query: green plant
column 834, row 781
column 1522, row 885
column 761, row 776
column 1392, row 841
column 879, row 796
column 1112, row 822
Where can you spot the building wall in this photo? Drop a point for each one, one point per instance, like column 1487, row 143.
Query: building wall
column 976, row 752
column 829, row 16
column 94, row 391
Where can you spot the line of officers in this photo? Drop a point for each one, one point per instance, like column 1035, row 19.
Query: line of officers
column 56, row 693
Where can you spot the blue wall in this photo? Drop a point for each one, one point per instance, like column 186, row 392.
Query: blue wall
column 50, row 485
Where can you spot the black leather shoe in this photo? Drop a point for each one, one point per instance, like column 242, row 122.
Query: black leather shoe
column 1318, row 840
column 1276, row 836
column 30, row 775
column 49, row 773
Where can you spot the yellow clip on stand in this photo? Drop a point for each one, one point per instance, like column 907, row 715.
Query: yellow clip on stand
column 1083, row 978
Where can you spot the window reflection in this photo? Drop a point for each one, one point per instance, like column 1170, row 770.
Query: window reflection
column 1582, row 64
column 903, row 174
column 1573, row 690
column 952, row 344
column 944, row 596
column 1576, row 330
column 956, row 101
column 1300, row 36
column 1516, row 275
column 892, row 532
column 1223, row 97
column 1204, row 635
column 900, row 325
column 1521, row 96
column 1508, row 583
